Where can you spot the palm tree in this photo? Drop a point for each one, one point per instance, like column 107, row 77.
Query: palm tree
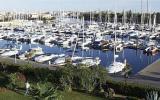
column 29, row 55
column 126, row 72
column 45, row 92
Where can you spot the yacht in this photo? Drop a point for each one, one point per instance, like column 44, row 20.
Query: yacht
column 151, row 50
column 3, row 50
column 9, row 53
column 116, row 67
column 45, row 57
column 23, row 56
column 133, row 34
column 36, row 51
column 32, row 52
column 119, row 48
column 60, row 61
column 89, row 61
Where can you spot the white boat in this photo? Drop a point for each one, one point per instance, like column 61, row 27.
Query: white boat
column 116, row 67
column 45, row 57
column 76, row 58
column 47, row 39
column 9, row 53
column 60, row 61
column 36, row 51
column 133, row 34
column 32, row 52
column 158, row 46
column 23, row 56
column 89, row 61
column 119, row 48
column 3, row 50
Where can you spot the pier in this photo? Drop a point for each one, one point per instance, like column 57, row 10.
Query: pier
column 152, row 71
column 149, row 76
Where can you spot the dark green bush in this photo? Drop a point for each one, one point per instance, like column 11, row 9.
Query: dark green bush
column 86, row 79
column 130, row 89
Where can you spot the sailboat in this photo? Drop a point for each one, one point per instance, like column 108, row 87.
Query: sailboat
column 116, row 67
column 88, row 61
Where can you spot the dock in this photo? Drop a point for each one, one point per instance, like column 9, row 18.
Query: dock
column 152, row 71
column 149, row 76
column 20, row 62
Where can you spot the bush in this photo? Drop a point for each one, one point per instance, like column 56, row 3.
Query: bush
column 4, row 80
column 75, row 77
column 130, row 89
column 17, row 80
column 45, row 91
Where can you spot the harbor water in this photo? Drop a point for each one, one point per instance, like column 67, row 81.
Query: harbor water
column 135, row 58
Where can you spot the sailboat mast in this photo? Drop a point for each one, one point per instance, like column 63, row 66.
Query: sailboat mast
column 150, row 20
column 147, row 7
column 108, row 16
column 148, row 14
column 154, row 21
column 83, row 36
column 115, row 24
column 142, row 13
column 90, row 17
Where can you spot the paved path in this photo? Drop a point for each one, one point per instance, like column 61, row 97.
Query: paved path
column 139, row 80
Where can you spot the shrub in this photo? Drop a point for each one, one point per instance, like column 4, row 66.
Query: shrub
column 17, row 80
column 45, row 91
column 130, row 89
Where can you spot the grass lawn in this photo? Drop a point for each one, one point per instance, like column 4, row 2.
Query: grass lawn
column 82, row 96
column 78, row 96
column 10, row 95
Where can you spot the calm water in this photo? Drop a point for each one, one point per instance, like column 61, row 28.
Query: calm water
column 135, row 58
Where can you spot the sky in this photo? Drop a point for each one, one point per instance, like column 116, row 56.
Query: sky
column 81, row 5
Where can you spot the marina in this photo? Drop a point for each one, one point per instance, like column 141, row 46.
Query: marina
column 110, row 43
column 80, row 50
column 140, row 61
